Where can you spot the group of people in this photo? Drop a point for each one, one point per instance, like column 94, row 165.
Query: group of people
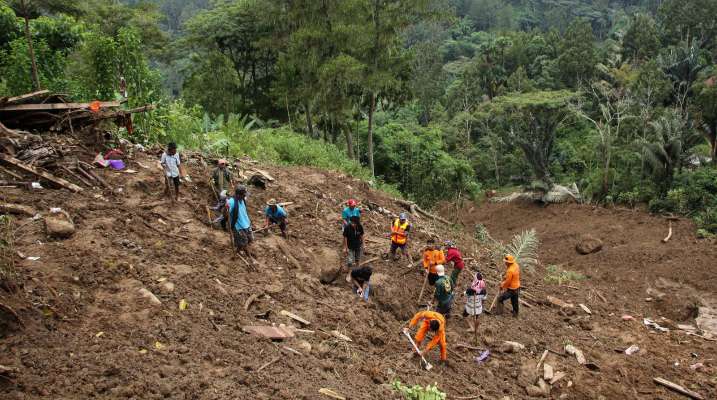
column 231, row 209
column 435, row 259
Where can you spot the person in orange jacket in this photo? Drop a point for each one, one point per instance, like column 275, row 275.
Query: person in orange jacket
column 436, row 323
column 510, row 287
column 432, row 256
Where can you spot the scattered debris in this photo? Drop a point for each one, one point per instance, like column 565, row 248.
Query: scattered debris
column 183, row 305
column 548, row 372
column 17, row 209
column 331, row 393
column 558, row 376
column 654, row 325
column 483, row 357
column 272, row 361
column 52, row 178
column 669, row 233
column 149, row 296
column 585, row 308
column 341, row 336
column 511, row 347
column 271, row 332
column 677, row 388
column 294, row 317
column 542, row 358
column 628, row 318
column 632, row 350
column 559, row 303
column 570, row 349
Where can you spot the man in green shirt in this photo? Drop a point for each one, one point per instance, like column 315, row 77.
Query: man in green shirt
column 444, row 291
column 222, row 177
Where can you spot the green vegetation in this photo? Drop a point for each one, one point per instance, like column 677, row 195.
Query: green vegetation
column 439, row 99
column 555, row 274
column 418, row 392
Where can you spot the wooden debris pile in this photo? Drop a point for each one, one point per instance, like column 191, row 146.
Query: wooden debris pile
column 28, row 160
column 46, row 111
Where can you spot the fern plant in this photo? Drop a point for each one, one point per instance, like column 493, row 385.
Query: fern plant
column 523, row 246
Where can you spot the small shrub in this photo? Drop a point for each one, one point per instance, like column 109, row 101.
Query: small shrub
column 555, row 274
column 417, row 392
column 629, row 198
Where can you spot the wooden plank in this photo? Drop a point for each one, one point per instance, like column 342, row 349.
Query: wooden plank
column 52, row 178
column 558, row 376
column 22, row 97
column 331, row 393
column 271, row 332
column 56, row 106
column 677, row 388
column 585, row 308
column 294, row 317
column 88, row 170
column 548, row 373
column 264, row 174
column 542, row 358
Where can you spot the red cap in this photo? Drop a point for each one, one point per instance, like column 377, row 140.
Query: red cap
column 351, row 203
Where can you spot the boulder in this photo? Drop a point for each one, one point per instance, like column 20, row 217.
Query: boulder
column 511, row 347
column 59, row 227
column 588, row 244
column 166, row 287
column 149, row 296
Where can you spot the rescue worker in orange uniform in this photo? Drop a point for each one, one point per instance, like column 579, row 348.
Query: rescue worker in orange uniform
column 432, row 256
column 399, row 235
column 510, row 286
column 436, row 323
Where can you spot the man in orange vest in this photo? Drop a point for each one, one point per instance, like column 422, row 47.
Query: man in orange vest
column 510, row 286
column 399, row 235
column 432, row 256
column 437, row 324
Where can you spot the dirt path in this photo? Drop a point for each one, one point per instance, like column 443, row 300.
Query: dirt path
column 90, row 334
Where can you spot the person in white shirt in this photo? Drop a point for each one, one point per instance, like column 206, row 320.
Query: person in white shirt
column 172, row 167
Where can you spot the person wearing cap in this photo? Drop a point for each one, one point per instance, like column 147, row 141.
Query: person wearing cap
column 351, row 210
column 432, row 256
column 222, row 177
column 353, row 244
column 436, row 323
column 399, row 235
column 453, row 255
column 240, row 223
column 275, row 214
column 510, row 286
column 443, row 293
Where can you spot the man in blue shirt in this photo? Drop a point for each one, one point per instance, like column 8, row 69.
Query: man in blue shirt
column 240, row 224
column 275, row 214
column 350, row 211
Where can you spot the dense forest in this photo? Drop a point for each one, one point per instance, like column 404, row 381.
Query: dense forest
column 438, row 99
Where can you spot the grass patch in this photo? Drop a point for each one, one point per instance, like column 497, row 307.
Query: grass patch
column 418, row 392
column 555, row 274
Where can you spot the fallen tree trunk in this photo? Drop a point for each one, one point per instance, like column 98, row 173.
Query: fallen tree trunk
column 677, row 388
column 413, row 207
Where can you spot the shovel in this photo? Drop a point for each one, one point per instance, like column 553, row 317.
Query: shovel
column 426, row 364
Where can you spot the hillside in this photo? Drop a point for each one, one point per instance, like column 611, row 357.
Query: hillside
column 86, row 332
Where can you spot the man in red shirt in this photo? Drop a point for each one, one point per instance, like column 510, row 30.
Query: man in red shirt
column 454, row 255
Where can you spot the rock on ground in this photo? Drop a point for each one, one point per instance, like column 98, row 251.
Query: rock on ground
column 588, row 244
column 59, row 228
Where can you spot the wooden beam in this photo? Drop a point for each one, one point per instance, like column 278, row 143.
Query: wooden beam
column 677, row 388
column 56, row 106
column 52, row 178
column 22, row 97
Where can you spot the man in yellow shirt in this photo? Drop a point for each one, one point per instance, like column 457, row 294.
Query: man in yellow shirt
column 510, row 287
column 437, row 324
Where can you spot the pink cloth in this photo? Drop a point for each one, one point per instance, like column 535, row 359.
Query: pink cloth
column 478, row 285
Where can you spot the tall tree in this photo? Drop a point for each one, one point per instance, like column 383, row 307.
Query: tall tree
column 577, row 53
column 642, row 40
column 530, row 121
column 29, row 9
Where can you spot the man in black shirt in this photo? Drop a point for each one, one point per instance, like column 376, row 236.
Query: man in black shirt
column 360, row 278
column 353, row 243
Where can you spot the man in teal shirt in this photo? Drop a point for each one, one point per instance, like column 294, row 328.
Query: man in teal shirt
column 239, row 221
column 351, row 210
column 275, row 214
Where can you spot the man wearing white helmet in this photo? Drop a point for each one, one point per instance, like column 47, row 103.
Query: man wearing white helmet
column 444, row 291
column 399, row 235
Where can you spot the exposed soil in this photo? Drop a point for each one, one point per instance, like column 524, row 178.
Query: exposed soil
column 88, row 333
